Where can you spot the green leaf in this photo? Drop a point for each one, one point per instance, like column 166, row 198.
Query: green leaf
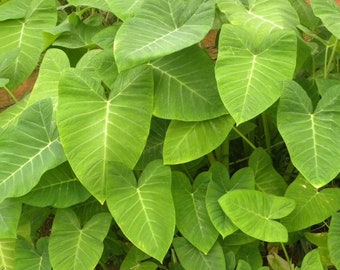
column 193, row 259
column 267, row 179
column 160, row 28
column 144, row 211
column 329, row 13
column 248, row 207
column 105, row 37
column 74, row 247
column 246, row 65
column 183, row 95
column 51, row 68
column 334, row 240
column 58, row 187
column 113, row 128
column 125, row 9
column 11, row 115
column 27, row 257
column 186, row 141
column 100, row 4
column 7, row 253
column 312, row 206
column 26, row 33
column 28, row 150
column 312, row 260
column 312, row 136
column 14, row 9
column 251, row 254
column 243, row 265
column 10, row 211
column 260, row 15
column 136, row 260
column 192, row 217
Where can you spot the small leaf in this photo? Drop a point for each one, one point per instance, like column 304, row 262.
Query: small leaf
column 28, row 150
column 144, row 211
column 192, row 217
column 183, row 95
column 312, row 260
column 74, row 247
column 245, row 66
column 334, row 240
column 160, row 28
column 137, row 260
column 125, row 9
column 193, row 259
column 312, row 206
column 10, row 211
column 307, row 132
column 267, row 179
column 254, row 213
column 186, row 141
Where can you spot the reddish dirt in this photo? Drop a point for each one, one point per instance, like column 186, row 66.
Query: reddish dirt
column 19, row 93
column 209, row 43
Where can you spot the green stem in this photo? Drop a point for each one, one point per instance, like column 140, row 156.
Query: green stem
column 330, row 61
column 10, row 94
column 244, row 138
column 211, row 158
column 286, row 255
column 266, row 133
column 225, row 152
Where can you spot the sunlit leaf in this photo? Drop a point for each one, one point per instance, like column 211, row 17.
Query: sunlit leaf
column 255, row 213
column 7, row 253
column 144, row 210
column 311, row 135
column 73, row 246
column 312, row 260
column 160, row 28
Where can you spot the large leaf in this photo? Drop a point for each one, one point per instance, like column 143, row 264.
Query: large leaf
column 15, row 9
column 28, row 150
column 26, row 34
column 329, row 13
column 186, row 141
column 334, row 240
column 51, row 68
column 250, row 71
column 183, row 95
column 29, row 258
column 11, row 115
column 192, row 217
column 100, row 4
column 160, row 28
column 144, row 211
column 113, row 128
column 10, row 211
column 255, row 212
column 312, row 206
column 260, row 15
column 267, row 179
column 73, row 246
column 193, row 259
column 312, row 136
column 58, row 187
column 7, row 253
column 124, row 9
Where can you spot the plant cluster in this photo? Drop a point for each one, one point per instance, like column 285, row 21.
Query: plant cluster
column 137, row 150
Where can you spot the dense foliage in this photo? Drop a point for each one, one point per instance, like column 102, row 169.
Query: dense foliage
column 139, row 148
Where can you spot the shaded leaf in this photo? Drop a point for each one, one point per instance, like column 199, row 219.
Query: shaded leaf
column 255, row 212
column 74, row 247
column 10, row 211
column 136, row 259
column 125, row 9
column 334, row 240
column 143, row 210
column 307, row 132
column 186, row 141
column 160, row 28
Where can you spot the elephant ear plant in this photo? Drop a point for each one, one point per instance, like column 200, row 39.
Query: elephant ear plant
column 136, row 150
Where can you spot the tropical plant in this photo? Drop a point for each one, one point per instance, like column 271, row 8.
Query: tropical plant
column 137, row 150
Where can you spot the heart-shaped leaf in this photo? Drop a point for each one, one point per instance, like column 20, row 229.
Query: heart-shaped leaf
column 144, row 211
column 254, row 213
column 307, row 132
column 28, row 150
column 186, row 141
column 193, row 259
column 73, row 246
column 113, row 128
column 329, row 13
column 334, row 240
column 160, row 28
column 192, row 217
column 312, row 206
column 182, row 95
column 250, row 72
column 312, row 260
